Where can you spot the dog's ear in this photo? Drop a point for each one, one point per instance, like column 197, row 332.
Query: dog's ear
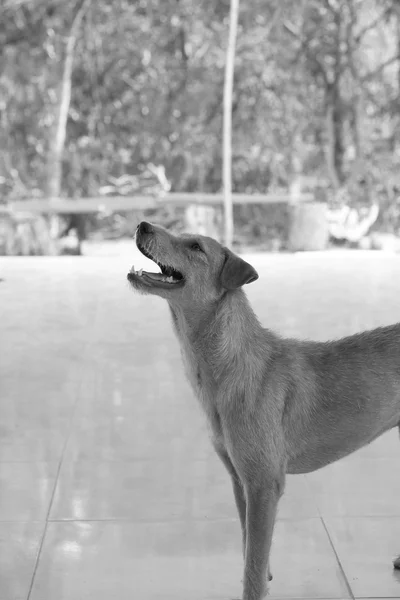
column 236, row 271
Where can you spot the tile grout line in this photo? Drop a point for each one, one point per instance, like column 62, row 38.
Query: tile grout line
column 60, row 462
column 48, row 520
column 338, row 560
column 311, row 490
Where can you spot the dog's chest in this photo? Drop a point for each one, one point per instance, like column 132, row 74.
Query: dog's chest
column 206, row 393
column 198, row 376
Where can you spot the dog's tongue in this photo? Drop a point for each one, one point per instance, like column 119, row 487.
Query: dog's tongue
column 154, row 276
column 158, row 276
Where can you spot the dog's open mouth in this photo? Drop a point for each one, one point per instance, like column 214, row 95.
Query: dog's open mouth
column 168, row 278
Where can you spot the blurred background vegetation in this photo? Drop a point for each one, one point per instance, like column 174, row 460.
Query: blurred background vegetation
column 113, row 97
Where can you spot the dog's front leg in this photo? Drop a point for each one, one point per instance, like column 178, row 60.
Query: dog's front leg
column 261, row 504
column 238, row 491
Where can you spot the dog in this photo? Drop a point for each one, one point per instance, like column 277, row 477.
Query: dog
column 275, row 406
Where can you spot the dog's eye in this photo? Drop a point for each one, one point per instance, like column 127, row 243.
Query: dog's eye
column 195, row 246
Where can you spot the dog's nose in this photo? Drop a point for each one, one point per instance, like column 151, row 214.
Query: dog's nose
column 145, row 227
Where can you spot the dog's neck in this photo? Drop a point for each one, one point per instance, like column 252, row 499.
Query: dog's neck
column 222, row 339
column 229, row 314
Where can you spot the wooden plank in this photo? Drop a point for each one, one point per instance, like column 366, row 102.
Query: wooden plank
column 127, row 203
column 199, row 198
column 81, row 205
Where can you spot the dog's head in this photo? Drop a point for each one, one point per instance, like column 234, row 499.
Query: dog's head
column 193, row 267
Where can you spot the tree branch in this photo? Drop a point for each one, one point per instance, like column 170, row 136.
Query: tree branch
column 364, row 30
column 275, row 18
column 382, row 66
column 289, row 27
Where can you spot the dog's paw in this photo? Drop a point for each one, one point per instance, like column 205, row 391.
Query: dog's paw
column 396, row 562
column 264, row 594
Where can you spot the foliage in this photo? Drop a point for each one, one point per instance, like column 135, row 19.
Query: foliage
column 316, row 92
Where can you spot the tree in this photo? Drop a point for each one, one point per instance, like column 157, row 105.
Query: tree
column 318, row 95
column 62, row 105
column 227, row 132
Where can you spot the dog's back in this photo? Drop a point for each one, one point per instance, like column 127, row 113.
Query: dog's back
column 351, row 392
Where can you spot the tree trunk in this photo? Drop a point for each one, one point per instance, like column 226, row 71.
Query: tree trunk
column 54, row 173
column 397, row 8
column 227, row 132
column 334, row 126
column 334, row 109
column 227, row 129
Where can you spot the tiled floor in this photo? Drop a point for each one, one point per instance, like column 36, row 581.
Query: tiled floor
column 109, row 488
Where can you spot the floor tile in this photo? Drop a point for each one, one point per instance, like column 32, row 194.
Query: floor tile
column 35, row 418
column 136, row 412
column 19, row 546
column 145, row 490
column 48, row 407
column 303, row 563
column 131, row 439
column 358, row 488
column 112, row 389
column 347, row 290
column 38, row 390
column 62, row 294
column 103, row 560
column 139, row 448
column 365, row 548
column 298, row 501
column 26, row 490
column 140, row 432
column 178, row 561
column 27, row 443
